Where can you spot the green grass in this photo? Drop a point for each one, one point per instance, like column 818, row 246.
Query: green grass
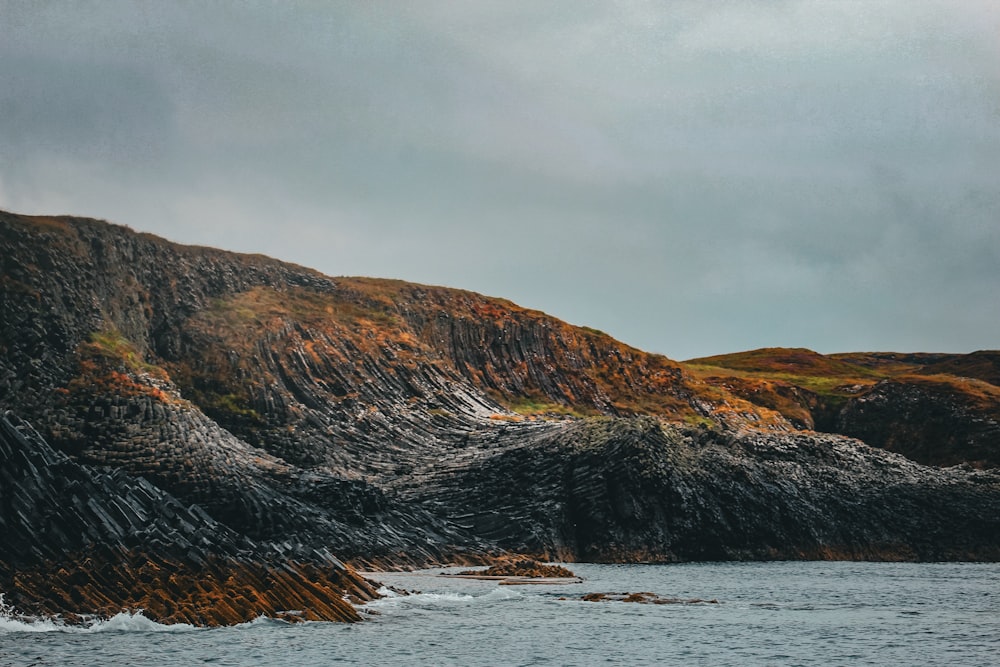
column 831, row 385
column 698, row 420
column 262, row 304
column 529, row 406
column 112, row 345
column 787, row 363
column 596, row 332
column 230, row 404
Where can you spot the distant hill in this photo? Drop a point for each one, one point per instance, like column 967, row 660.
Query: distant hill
column 938, row 409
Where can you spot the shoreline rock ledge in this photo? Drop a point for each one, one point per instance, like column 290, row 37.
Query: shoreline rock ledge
column 514, row 570
column 215, row 436
column 77, row 541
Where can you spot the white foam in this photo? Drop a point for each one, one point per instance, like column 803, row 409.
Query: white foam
column 11, row 621
column 503, row 593
column 10, row 625
column 393, row 600
column 421, row 600
column 261, row 620
column 134, row 622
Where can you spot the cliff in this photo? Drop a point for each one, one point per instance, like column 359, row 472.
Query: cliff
column 78, row 540
column 303, row 418
column 622, row 490
column 937, row 409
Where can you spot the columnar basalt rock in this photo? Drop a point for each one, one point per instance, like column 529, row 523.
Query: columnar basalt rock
column 78, row 541
column 627, row 490
column 215, row 430
column 934, row 408
column 936, row 420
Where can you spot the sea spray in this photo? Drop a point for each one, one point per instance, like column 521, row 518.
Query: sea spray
column 11, row 621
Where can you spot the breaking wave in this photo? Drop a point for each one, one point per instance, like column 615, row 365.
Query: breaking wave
column 395, row 600
column 11, row 622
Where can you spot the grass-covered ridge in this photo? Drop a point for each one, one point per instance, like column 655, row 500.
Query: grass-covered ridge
column 260, row 344
column 810, row 388
column 342, row 343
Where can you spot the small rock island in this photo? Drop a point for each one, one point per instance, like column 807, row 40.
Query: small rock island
column 510, row 570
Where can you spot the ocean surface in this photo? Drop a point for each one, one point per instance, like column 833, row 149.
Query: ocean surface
column 787, row 613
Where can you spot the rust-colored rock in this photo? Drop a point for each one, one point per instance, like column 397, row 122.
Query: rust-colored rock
column 514, row 566
column 217, row 592
column 79, row 542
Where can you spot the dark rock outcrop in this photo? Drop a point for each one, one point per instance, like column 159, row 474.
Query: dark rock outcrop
column 937, row 420
column 639, row 490
column 79, row 540
column 513, row 566
column 937, row 409
column 212, row 427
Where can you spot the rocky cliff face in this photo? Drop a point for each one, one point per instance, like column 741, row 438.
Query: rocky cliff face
column 393, row 423
column 937, row 409
column 938, row 420
column 638, row 489
column 79, row 540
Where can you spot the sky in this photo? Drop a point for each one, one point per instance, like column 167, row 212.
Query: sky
column 694, row 178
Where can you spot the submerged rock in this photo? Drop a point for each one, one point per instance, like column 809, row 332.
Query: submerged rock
column 642, row 598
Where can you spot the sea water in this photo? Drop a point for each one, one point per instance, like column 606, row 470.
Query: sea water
column 786, row 613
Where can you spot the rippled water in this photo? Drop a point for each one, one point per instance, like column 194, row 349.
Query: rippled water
column 768, row 614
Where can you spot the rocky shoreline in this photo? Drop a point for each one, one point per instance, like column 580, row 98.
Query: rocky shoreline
column 82, row 542
column 212, row 437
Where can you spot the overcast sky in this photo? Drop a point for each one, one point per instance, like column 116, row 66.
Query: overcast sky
column 692, row 177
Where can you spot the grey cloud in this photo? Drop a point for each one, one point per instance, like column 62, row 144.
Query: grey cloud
column 58, row 106
column 694, row 177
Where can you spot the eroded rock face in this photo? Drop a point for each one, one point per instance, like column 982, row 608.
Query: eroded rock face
column 937, row 409
column 205, row 416
column 638, row 490
column 166, row 440
column 938, row 421
column 79, row 541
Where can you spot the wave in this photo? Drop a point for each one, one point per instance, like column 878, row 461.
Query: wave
column 387, row 592
column 13, row 622
column 268, row 620
column 135, row 622
column 10, row 625
column 394, row 600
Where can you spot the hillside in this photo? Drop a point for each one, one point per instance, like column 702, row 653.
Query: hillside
column 937, row 409
column 310, row 418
